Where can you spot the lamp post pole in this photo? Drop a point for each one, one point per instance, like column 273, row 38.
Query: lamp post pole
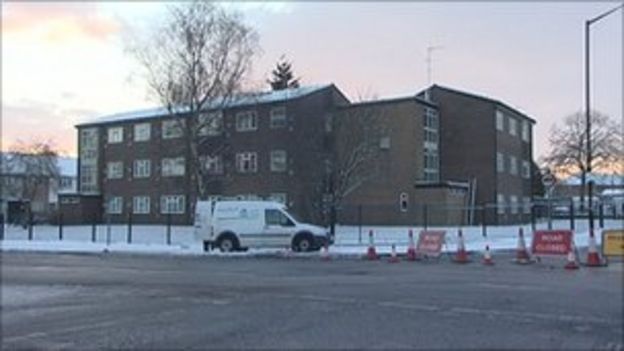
column 588, row 153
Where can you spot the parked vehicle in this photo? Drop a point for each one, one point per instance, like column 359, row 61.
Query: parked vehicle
column 237, row 225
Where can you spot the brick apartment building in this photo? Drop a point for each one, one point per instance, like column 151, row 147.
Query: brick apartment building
column 136, row 163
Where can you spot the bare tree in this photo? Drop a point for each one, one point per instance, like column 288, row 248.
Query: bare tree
column 355, row 151
column 568, row 151
column 195, row 65
column 29, row 170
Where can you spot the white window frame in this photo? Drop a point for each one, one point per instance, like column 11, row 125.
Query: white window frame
column 526, row 169
column 114, row 170
column 172, row 204
column 513, row 203
column 242, row 158
column 513, row 126
column 527, row 204
column 525, row 131
column 403, row 202
column 246, row 121
column 513, row 165
column 211, row 123
column 141, row 205
column 173, row 128
column 500, row 121
column 114, row 205
column 500, row 162
column 115, row 135
column 142, row 168
column 142, row 131
column 279, row 161
column 278, row 117
column 212, row 164
column 173, row 167
column 500, row 204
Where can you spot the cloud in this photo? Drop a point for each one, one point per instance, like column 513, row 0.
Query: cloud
column 57, row 22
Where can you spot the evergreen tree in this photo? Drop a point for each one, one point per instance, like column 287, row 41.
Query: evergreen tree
column 283, row 77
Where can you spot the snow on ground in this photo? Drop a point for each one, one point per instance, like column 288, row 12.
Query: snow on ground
column 350, row 240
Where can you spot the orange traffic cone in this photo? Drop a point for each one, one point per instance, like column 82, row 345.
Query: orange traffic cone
column 487, row 258
column 461, row 256
column 393, row 255
column 522, row 254
column 372, row 253
column 571, row 264
column 593, row 257
column 325, row 253
column 411, row 249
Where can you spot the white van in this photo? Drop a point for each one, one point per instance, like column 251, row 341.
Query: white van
column 236, row 225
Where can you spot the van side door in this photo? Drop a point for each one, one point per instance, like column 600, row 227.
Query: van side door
column 278, row 228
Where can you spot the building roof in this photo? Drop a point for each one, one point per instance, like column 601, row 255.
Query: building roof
column 480, row 97
column 239, row 100
column 598, row 179
column 67, row 166
column 392, row 100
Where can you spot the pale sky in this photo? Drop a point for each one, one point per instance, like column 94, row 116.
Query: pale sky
column 63, row 63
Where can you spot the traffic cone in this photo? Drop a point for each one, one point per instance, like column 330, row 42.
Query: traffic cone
column 593, row 257
column 522, row 254
column 461, row 256
column 411, row 249
column 393, row 255
column 571, row 264
column 325, row 253
column 372, row 253
column 487, row 258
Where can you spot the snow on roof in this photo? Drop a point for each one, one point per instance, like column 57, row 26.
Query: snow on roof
column 597, row 178
column 67, row 166
column 239, row 100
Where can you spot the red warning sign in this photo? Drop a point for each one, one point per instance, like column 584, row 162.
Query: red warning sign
column 430, row 242
column 552, row 242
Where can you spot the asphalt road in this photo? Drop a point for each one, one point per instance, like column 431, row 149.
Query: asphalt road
column 55, row 301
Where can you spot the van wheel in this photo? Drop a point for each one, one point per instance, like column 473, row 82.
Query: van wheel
column 303, row 243
column 227, row 243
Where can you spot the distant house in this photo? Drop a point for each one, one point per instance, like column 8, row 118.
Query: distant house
column 603, row 183
column 24, row 190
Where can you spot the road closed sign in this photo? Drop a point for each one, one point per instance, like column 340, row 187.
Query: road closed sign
column 551, row 242
column 613, row 242
column 430, row 242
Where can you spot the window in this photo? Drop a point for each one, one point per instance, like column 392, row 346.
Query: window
column 403, row 202
column 500, row 120
column 211, row 124
column 114, row 170
column 142, row 132
column 246, row 162
column 384, row 143
column 173, row 204
column 278, row 117
column 213, row 165
column 513, row 165
column 142, row 168
column 172, row 167
column 276, row 217
column 278, row 197
column 115, row 135
column 500, row 204
column 513, row 125
column 527, row 204
column 278, row 161
column 526, row 169
column 172, row 129
column 513, row 199
column 88, row 139
column 525, row 131
column 500, row 162
column 141, row 205
column 88, row 178
column 246, row 121
column 115, row 205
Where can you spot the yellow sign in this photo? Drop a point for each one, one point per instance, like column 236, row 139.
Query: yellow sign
column 613, row 242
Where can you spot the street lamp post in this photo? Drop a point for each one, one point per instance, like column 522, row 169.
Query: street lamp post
column 588, row 152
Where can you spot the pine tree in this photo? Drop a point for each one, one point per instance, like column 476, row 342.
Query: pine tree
column 283, row 77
